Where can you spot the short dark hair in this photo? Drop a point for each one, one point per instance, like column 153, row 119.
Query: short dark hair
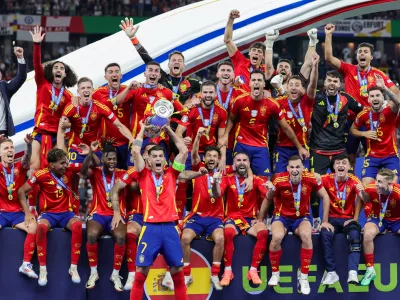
column 84, row 79
column 334, row 74
column 111, row 65
column 70, row 76
column 212, row 148
column 156, row 148
column 258, row 45
column 240, row 152
column 293, row 158
column 297, row 77
column 108, row 147
column 288, row 61
column 258, row 72
column 225, row 63
column 366, row 45
column 175, row 52
column 340, row 156
column 208, row 83
column 376, row 88
column 153, row 63
column 55, row 155
column 151, row 144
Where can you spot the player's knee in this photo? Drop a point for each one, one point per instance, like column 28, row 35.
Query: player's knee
column 120, row 239
column 305, row 237
column 368, row 236
column 219, row 240
column 186, row 239
column 326, row 235
column 277, row 238
column 32, row 228
column 92, row 237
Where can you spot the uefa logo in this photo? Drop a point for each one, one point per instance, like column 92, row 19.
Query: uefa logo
column 28, row 20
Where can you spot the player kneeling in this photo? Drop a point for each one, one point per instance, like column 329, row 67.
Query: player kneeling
column 292, row 192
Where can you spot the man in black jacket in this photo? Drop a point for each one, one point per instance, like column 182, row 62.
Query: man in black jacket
column 7, row 90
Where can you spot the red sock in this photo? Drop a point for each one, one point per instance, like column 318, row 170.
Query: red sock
column 179, row 286
column 76, row 242
column 118, row 255
column 369, row 259
column 92, row 251
column 229, row 234
column 259, row 248
column 41, row 242
column 275, row 257
column 29, row 246
column 305, row 258
column 131, row 249
column 215, row 268
column 187, row 270
column 137, row 288
column 181, row 198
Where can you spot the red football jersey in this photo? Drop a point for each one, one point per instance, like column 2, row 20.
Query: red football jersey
column 393, row 207
column 98, row 113
column 352, row 85
column 284, row 200
column 306, row 105
column 12, row 205
column 164, row 208
column 386, row 132
column 123, row 113
column 53, row 197
column 201, row 200
column 100, row 203
column 253, row 118
column 251, row 200
column 46, row 121
column 134, row 205
column 336, row 211
column 242, row 67
column 194, row 122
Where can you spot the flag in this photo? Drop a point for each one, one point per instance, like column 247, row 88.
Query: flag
column 25, row 23
column 57, row 28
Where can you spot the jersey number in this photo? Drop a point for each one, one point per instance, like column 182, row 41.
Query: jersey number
column 59, row 193
column 120, row 112
column 72, row 156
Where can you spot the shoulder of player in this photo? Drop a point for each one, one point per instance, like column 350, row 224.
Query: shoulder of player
column 376, row 70
column 308, row 175
column 281, row 178
column 68, row 93
column 280, row 100
column 100, row 105
column 327, row 177
column 354, row 178
column 219, row 106
column 396, row 188
column 41, row 172
column 69, row 108
column 100, row 90
column 131, row 170
column 371, row 187
column 271, row 101
column 364, row 112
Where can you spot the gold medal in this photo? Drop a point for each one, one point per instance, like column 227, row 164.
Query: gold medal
column 115, row 107
column 240, row 205
column 55, row 107
column 10, row 197
column 336, row 125
column 81, row 135
column 212, row 200
column 380, row 224
column 304, row 129
column 109, row 204
column 297, row 213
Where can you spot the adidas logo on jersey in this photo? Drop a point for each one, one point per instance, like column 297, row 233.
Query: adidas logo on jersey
column 322, row 103
column 246, row 109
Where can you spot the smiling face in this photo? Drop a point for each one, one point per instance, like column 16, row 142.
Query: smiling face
column 208, row 95
column 85, row 91
column 109, row 160
column 60, row 166
column 332, row 85
column 295, row 89
column 285, row 69
column 59, row 73
column 176, row 65
column 341, row 167
column 242, row 164
column 225, row 74
column 257, row 84
column 152, row 74
column 211, row 160
column 7, row 152
column 364, row 57
column 113, row 77
column 295, row 169
column 382, row 184
column 376, row 99
column 156, row 161
column 256, row 56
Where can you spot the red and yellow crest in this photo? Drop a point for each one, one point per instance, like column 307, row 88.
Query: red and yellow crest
column 263, row 110
column 93, row 116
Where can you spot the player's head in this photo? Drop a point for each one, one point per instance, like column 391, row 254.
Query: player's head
column 376, row 98
column 211, row 157
column 332, row 82
column 384, row 179
column 225, row 72
column 152, row 73
column 365, row 53
column 113, row 75
column 296, row 87
column 7, row 151
column 156, row 159
column 295, row 168
column 284, row 68
column 145, row 154
column 109, row 157
column 208, row 91
column 241, row 163
column 176, row 63
column 85, row 90
column 58, row 72
column 58, row 161
column 256, row 53
column 257, row 83
column 341, row 165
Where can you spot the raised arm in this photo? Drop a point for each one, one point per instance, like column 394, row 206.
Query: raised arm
column 195, row 147
column 189, row 175
column 124, row 130
column 333, row 61
column 312, row 87
column 26, row 160
column 180, row 145
column 312, row 45
column 229, row 126
column 230, row 45
column 395, row 101
column 63, row 125
column 14, row 85
column 137, row 147
column 216, row 188
column 37, row 37
column 270, row 38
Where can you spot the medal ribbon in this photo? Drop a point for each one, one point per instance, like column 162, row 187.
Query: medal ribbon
column 9, row 179
column 175, row 88
column 208, row 125
column 363, row 80
column 299, row 117
column 228, row 97
column 150, row 86
column 56, row 99
column 296, row 196
column 383, row 209
column 240, row 189
column 85, row 120
column 344, row 193
column 63, row 185
column 112, row 97
column 333, row 115
column 108, row 187
column 371, row 123
column 157, row 182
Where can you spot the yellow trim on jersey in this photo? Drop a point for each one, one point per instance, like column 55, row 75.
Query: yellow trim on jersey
column 144, row 227
column 197, row 205
column 146, row 213
column 101, row 105
column 68, row 108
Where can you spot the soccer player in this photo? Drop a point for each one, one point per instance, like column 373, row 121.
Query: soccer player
column 13, row 176
column 357, row 78
column 107, row 96
column 159, row 234
column 297, row 107
column 380, row 121
column 384, row 195
column 86, row 120
column 183, row 87
column 342, row 189
column 241, row 214
column 55, row 209
column 102, row 180
column 292, row 191
column 253, row 113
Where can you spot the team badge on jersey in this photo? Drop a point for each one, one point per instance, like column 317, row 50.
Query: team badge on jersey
column 254, row 113
column 151, row 99
column 93, row 116
column 33, row 179
column 125, row 177
column 141, row 258
column 289, row 114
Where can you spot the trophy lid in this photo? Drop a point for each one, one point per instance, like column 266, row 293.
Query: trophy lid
column 163, row 108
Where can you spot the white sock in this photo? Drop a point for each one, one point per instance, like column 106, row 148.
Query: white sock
column 74, row 267
column 370, row 268
column 131, row 274
column 186, row 264
column 228, row 268
column 216, row 263
column 93, row 270
column 253, row 269
column 43, row 268
column 115, row 272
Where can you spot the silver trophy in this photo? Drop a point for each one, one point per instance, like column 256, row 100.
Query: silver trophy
column 162, row 111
